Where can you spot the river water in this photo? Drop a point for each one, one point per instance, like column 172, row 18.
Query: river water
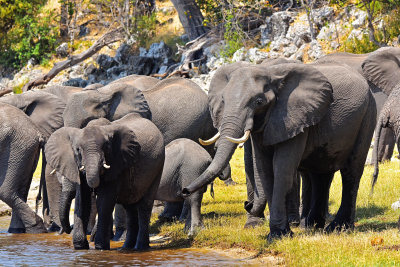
column 56, row 250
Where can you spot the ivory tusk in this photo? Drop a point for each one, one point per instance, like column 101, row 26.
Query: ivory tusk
column 106, row 166
column 241, row 145
column 240, row 140
column 53, row 171
column 82, row 168
column 210, row 141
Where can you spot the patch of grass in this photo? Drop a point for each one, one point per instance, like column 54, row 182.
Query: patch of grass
column 225, row 216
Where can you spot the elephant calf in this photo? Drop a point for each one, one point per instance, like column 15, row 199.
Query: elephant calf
column 185, row 160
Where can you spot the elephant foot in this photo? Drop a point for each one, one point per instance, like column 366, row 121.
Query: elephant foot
column 276, row 233
column 16, row 230
column 81, row 245
column 294, row 219
column 120, row 235
column 253, row 221
column 102, row 246
column 229, row 182
column 53, row 227
column 337, row 225
column 37, row 228
column 142, row 247
column 193, row 229
column 312, row 221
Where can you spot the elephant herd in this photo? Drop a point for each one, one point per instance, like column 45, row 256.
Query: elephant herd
column 135, row 140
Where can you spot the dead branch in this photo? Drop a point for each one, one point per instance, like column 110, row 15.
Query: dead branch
column 108, row 38
column 4, row 92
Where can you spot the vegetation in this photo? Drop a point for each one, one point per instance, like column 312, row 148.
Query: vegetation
column 376, row 222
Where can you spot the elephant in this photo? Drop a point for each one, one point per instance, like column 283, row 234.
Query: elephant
column 380, row 68
column 45, row 112
column 294, row 117
column 141, row 82
column 121, row 162
column 388, row 118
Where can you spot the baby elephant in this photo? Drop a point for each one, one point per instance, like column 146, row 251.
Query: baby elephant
column 185, row 160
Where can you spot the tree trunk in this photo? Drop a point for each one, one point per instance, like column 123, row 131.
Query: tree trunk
column 64, row 20
column 190, row 17
column 106, row 39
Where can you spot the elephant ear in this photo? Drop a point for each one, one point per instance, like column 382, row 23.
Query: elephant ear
column 121, row 99
column 63, row 92
column 44, row 109
column 217, row 86
column 382, row 68
column 303, row 95
column 125, row 147
column 60, row 153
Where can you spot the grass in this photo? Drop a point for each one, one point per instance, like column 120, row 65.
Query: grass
column 225, row 216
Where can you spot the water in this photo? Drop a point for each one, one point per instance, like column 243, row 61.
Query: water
column 56, row 250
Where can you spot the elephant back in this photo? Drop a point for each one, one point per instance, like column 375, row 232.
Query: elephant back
column 141, row 82
column 44, row 109
column 354, row 61
column 63, row 92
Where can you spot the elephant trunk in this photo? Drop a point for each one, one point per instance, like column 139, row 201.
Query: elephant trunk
column 375, row 157
column 221, row 159
column 66, row 197
column 93, row 169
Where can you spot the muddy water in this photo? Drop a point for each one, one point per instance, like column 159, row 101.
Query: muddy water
column 56, row 250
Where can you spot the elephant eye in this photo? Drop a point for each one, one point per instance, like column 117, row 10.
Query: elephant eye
column 259, row 101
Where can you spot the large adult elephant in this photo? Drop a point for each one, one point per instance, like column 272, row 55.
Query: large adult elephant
column 316, row 119
column 122, row 161
column 43, row 113
column 381, row 69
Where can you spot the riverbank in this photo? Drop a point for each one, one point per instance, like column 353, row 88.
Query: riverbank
column 375, row 240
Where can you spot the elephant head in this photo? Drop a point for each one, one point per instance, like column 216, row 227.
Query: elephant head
column 99, row 152
column 44, row 109
column 111, row 102
column 277, row 101
column 382, row 68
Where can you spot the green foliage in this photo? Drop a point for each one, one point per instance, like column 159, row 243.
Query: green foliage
column 353, row 45
column 144, row 28
column 25, row 34
column 233, row 37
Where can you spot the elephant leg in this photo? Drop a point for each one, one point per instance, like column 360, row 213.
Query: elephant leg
column 132, row 225
column 286, row 160
column 145, row 206
column 386, row 145
column 227, row 176
column 320, row 196
column 172, row 210
column 81, row 216
column 293, row 202
column 194, row 222
column 93, row 214
column 53, row 188
column 259, row 188
column 306, row 194
column 105, row 202
column 16, row 224
column 351, row 175
column 120, row 221
column 185, row 211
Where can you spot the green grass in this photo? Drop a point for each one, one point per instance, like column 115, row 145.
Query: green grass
column 225, row 216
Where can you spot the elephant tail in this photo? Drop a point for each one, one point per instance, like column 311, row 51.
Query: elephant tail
column 42, row 183
column 375, row 156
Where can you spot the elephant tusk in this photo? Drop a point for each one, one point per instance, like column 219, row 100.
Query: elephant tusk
column 240, row 140
column 210, row 141
column 82, row 168
column 241, row 145
column 106, row 166
column 52, row 172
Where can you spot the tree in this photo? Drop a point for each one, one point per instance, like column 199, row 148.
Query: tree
column 190, row 17
column 370, row 7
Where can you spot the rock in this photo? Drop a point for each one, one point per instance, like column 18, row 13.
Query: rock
column 290, row 50
column 62, row 50
column 114, row 72
column 91, row 69
column 31, row 62
column 76, row 82
column 83, row 30
column 321, row 15
column 360, row 19
column 141, row 65
column 239, row 55
column 77, row 71
column 299, row 53
column 315, row 50
column 356, row 33
column 123, row 53
column 256, row 56
column 276, row 26
column 105, row 62
column 273, row 55
column 158, row 50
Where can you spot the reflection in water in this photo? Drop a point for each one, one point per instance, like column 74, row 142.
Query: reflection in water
column 56, row 250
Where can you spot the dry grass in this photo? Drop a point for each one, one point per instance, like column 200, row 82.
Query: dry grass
column 224, row 218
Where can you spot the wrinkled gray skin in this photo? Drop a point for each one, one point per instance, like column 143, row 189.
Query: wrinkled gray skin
column 381, row 69
column 185, row 160
column 299, row 117
column 141, row 82
column 133, row 147
column 45, row 112
column 388, row 118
